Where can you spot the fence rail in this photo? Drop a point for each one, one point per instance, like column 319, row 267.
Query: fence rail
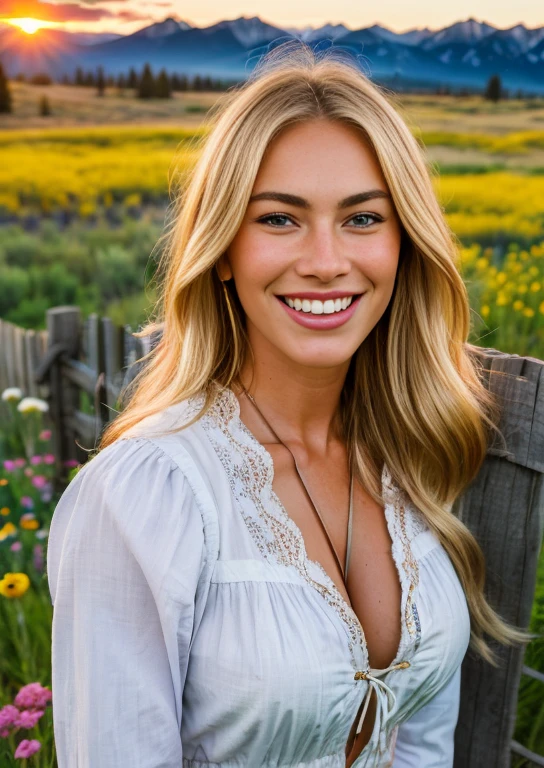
column 504, row 506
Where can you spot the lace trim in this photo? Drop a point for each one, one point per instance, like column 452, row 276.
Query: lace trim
column 250, row 471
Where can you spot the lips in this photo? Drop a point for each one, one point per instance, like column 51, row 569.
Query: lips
column 321, row 320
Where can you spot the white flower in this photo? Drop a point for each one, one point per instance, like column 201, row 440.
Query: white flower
column 12, row 395
column 42, row 533
column 32, row 405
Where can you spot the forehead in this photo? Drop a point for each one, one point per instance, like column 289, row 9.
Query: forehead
column 319, row 154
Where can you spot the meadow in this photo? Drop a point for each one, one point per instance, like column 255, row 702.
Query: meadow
column 84, row 197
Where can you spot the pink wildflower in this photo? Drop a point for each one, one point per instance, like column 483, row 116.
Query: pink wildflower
column 71, row 463
column 9, row 465
column 45, row 434
column 16, row 546
column 19, row 463
column 27, row 502
column 8, row 715
column 28, row 718
column 36, row 460
column 33, row 696
column 39, row 481
column 49, row 458
column 28, row 471
column 27, row 748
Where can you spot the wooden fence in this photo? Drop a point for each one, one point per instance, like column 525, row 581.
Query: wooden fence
column 503, row 507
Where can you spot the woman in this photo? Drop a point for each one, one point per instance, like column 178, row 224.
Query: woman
column 311, row 406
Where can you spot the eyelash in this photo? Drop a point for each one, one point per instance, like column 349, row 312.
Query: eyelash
column 373, row 216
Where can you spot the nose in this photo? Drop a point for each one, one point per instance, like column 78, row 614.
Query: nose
column 323, row 256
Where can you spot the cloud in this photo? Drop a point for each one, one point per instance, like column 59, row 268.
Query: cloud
column 59, row 12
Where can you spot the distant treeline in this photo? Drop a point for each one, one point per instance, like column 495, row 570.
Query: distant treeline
column 146, row 82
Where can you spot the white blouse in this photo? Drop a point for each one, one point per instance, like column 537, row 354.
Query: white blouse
column 190, row 628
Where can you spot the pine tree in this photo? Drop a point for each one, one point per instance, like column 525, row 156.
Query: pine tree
column 79, row 77
column 89, row 79
column 121, row 82
column 132, row 78
column 45, row 109
column 146, row 87
column 5, row 93
column 100, row 82
column 493, row 91
column 163, row 90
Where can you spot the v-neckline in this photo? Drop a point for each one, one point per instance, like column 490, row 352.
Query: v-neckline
column 400, row 550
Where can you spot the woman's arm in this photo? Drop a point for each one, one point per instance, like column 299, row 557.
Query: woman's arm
column 425, row 740
column 124, row 555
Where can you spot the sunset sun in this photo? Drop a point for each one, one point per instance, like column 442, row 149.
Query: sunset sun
column 27, row 25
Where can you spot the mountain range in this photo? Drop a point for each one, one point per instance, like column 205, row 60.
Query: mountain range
column 463, row 55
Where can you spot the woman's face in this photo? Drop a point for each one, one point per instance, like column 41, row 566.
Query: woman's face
column 315, row 258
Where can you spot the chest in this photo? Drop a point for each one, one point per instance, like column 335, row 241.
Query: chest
column 372, row 587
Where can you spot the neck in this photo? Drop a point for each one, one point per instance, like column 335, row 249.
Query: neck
column 301, row 404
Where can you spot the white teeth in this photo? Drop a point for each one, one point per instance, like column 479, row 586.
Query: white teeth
column 316, row 307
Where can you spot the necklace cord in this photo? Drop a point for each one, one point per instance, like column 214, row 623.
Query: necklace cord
column 344, row 570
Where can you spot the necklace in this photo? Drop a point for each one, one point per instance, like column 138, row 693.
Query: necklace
column 343, row 570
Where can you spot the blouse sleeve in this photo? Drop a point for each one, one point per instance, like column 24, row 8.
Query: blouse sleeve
column 125, row 551
column 425, row 740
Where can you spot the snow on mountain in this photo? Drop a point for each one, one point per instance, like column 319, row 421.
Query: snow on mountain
column 468, row 32
column 250, row 31
column 163, row 28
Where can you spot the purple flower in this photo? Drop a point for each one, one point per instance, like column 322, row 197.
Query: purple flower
column 33, row 696
column 36, row 460
column 27, row 502
column 8, row 715
column 49, row 458
column 39, row 481
column 9, row 465
column 28, row 718
column 27, row 748
column 16, row 546
column 47, row 495
column 71, row 463
column 38, row 557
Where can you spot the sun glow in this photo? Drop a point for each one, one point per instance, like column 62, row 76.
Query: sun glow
column 27, row 25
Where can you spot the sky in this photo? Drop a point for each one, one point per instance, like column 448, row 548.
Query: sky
column 127, row 16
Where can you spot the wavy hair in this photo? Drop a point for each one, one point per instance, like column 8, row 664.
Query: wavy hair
column 413, row 397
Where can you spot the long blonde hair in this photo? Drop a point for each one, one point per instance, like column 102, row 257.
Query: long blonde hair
column 413, row 397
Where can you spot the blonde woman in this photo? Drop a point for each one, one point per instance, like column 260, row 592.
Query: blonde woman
column 260, row 566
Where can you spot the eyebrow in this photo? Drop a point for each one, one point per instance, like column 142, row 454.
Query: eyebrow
column 300, row 202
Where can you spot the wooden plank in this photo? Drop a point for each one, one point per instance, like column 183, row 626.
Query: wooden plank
column 504, row 509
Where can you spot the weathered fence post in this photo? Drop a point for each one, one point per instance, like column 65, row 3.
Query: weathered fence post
column 63, row 330
column 504, row 509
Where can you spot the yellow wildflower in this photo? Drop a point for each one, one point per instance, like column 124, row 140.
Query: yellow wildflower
column 535, row 286
column 541, row 308
column 482, row 263
column 522, row 288
column 502, row 299
column 14, row 584
column 4, row 511
column 484, row 311
column 533, row 270
column 529, row 312
column 501, row 278
column 7, row 530
column 29, row 522
column 518, row 304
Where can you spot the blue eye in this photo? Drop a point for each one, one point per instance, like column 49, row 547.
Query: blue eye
column 266, row 219
column 371, row 216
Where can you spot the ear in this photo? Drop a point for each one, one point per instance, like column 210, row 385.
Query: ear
column 223, row 267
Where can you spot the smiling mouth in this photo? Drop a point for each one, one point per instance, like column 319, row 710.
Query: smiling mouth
column 316, row 307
